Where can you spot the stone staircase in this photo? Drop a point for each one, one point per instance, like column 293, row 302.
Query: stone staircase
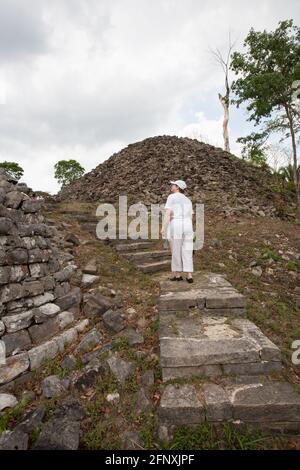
column 217, row 365
column 145, row 255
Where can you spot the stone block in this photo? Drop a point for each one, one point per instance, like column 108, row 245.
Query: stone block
column 6, row 226
column 91, row 340
column 95, row 305
column 44, row 312
column 218, row 404
column 225, row 299
column 11, row 292
column 17, row 256
column 16, row 341
column 70, row 299
column 14, row 367
column 5, row 275
column 33, row 289
column 64, row 319
column 42, row 352
column 44, row 331
column 180, row 405
column 66, row 338
column 121, row 369
column 18, row 322
column 19, row 273
column 31, row 206
column 264, row 402
column 38, row 270
column 39, row 300
column 113, row 321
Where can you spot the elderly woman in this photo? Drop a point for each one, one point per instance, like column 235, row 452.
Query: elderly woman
column 178, row 229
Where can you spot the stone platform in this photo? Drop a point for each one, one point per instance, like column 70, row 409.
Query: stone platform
column 210, row 293
column 271, row 405
column 222, row 362
column 196, row 345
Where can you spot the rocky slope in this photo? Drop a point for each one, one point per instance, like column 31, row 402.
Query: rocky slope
column 143, row 170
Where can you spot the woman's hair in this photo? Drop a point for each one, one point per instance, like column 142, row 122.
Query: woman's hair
column 181, row 190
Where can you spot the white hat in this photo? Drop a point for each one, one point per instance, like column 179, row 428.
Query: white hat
column 181, row 184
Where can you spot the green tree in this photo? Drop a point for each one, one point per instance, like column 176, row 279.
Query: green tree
column 67, row 171
column 287, row 173
column 13, row 168
column 267, row 72
column 254, row 149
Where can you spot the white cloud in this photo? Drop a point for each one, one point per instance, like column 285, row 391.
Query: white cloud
column 205, row 130
column 84, row 78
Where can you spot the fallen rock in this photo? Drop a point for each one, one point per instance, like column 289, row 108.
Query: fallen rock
column 64, row 319
column 14, row 366
column 94, row 305
column 89, row 376
column 71, row 409
column 133, row 337
column 147, row 379
column 91, row 267
column 118, row 300
column 17, row 341
column 7, row 401
column 59, row 434
column 69, row 362
column 257, row 271
column 32, row 420
column 71, row 238
column 14, row 440
column 113, row 397
column 89, row 341
column 44, row 312
column 121, row 369
column 89, row 279
column 52, row 387
column 113, row 321
column 142, row 402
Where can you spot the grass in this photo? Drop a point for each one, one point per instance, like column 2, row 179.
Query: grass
column 206, row 437
column 10, row 417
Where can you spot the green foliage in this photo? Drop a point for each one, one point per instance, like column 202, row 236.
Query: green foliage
column 13, row 168
column 67, row 171
column 268, row 69
column 287, row 173
column 293, row 265
column 266, row 73
column 269, row 253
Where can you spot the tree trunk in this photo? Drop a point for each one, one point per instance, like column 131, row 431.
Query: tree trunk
column 225, row 103
column 295, row 162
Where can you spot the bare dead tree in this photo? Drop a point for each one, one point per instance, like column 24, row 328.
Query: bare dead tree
column 224, row 62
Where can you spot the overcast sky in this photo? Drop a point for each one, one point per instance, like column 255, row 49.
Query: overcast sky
column 84, row 78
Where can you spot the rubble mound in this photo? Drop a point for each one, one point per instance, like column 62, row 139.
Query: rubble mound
column 143, row 170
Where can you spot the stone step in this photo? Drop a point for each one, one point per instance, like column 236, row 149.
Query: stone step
column 210, row 294
column 154, row 267
column 271, row 405
column 148, row 256
column 206, row 346
column 133, row 246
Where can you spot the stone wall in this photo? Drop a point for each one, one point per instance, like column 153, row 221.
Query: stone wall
column 37, row 298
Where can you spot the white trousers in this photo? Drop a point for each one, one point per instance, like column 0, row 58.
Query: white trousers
column 180, row 235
